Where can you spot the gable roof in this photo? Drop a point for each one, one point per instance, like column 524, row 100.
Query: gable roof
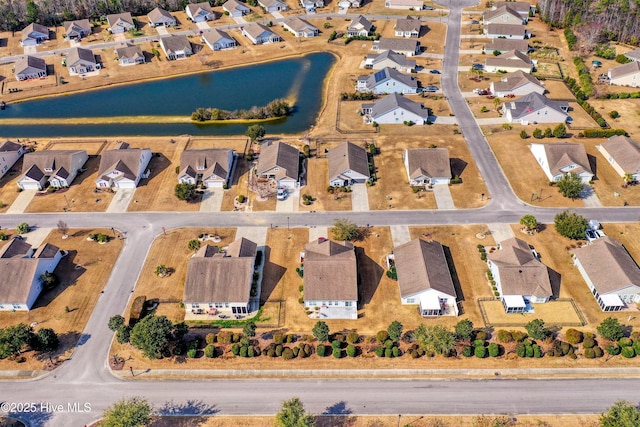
column 130, row 52
column 490, row 14
column 511, row 58
column 506, row 29
column 24, row 63
column 408, row 24
column 625, row 151
column 298, row 24
column 347, row 156
column 421, row 265
column 278, row 154
column 559, row 155
column 231, row 5
column 214, row 35
column 15, row 248
column 33, row 27
column 393, row 101
column 330, row 271
column 515, row 80
column 360, row 22
column 77, row 25
column 373, row 80
column 16, row 277
column 632, row 67
column 10, row 146
column 520, row 272
column 507, row 44
column 120, row 18
column 78, row 54
column 59, row 161
column 532, row 102
column 197, row 8
column 520, row 7
column 393, row 56
column 634, row 54
column 46, row 251
column 205, row 161
column 256, row 30
column 242, row 248
column 269, row 3
column 431, row 162
column 397, row 44
column 175, row 43
column 122, row 159
column 158, row 14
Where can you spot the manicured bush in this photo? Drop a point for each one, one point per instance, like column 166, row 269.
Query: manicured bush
column 521, row 351
column 602, row 133
column 253, row 351
column 588, row 341
column 573, row 336
column 278, row 338
column 518, row 336
column 565, row 348
column 480, row 335
column 136, row 309
column 467, row 351
column 210, row 338
column 537, row 351
column 287, row 354
column 625, row 342
column 296, row 351
column 598, row 351
column 382, row 336
column 589, row 353
column 352, row 350
column 337, row 353
column 210, row 351
column 504, row 336
column 320, row 350
column 636, row 346
column 613, row 349
column 279, row 350
column 388, row 352
column 380, row 351
column 528, row 350
column 243, row 352
column 395, row 351
column 353, row 337
column 225, row 337
column 494, row 349
column 628, row 352
column 480, row 351
column 388, row 344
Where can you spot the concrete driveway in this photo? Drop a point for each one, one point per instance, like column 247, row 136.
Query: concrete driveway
column 22, row 201
column 212, row 200
column 443, row 196
column 121, row 201
column 359, row 198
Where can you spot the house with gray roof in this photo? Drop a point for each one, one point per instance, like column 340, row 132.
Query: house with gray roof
column 209, row 166
column 81, row 61
column 623, row 154
column 517, row 83
column 387, row 80
column 273, row 5
column 220, row 282
column 21, row 267
column 280, row 162
column 625, row 75
column 299, row 27
column 34, row 34
column 520, row 277
column 391, row 59
column 395, row 109
column 406, row 47
column 360, row 26
column 218, row 39
column 176, row 47
column 612, row 275
column 507, row 31
column 123, row 167
column 130, row 55
column 509, row 62
column 404, row 4
column 159, row 17
column 120, row 23
column 236, row 8
column 426, row 167
column 505, row 45
column 633, row 55
column 57, row 168
column 424, row 278
column 330, row 279
column 348, row 164
column 407, row 27
column 10, row 153
column 310, row 6
column 560, row 159
column 200, row 12
column 75, row 30
column 260, row 34
column 503, row 15
column 535, row 108
column 30, row 67
column 520, row 7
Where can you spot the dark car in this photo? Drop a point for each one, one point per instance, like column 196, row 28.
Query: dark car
column 430, row 89
column 477, row 66
column 434, row 71
column 429, row 8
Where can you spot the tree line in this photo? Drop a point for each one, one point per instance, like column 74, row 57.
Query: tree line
column 276, row 108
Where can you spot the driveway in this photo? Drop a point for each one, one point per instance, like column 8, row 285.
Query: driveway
column 22, row 201
column 443, row 196
column 500, row 232
column 203, row 25
column 212, row 200
column 291, row 203
column 258, row 235
column 277, row 15
column 590, row 198
column 400, row 234
column 121, row 201
column 162, row 30
column 239, row 20
column 359, row 198
column 317, row 232
column 36, row 236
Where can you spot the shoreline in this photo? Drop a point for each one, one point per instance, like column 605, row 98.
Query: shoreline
column 127, row 120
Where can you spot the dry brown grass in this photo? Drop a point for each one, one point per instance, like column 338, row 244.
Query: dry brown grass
column 467, row 85
column 9, row 186
column 317, row 183
column 553, row 313
column 629, row 110
column 557, row 90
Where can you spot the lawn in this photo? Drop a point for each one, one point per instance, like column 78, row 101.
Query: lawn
column 317, row 183
column 9, row 186
column 554, row 313
column 629, row 110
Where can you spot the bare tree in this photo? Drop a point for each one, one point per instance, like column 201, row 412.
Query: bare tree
column 63, row 228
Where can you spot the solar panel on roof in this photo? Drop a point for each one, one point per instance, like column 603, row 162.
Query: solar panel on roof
column 380, row 75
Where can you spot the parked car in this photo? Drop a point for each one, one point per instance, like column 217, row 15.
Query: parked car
column 429, row 8
column 434, row 72
column 282, row 193
column 430, row 88
column 477, row 66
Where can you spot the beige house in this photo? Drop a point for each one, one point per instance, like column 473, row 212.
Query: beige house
column 505, row 45
column 219, row 40
column 407, row 27
column 81, row 61
column 30, row 67
column 625, row 75
column 130, row 55
column 518, row 83
column 10, row 153
column 56, row 168
column 426, row 167
column 299, row 27
column 280, row 162
column 406, row 47
column 34, row 34
column 509, row 62
column 348, row 164
column 123, row 167
column 176, row 47
column 507, row 31
column 209, row 166
column 200, row 12
column 159, row 17
column 120, row 23
column 559, row 159
column 75, row 30
column 390, row 59
column 503, row 15
column 623, row 154
column 360, row 26
column 535, row 108
column 520, row 7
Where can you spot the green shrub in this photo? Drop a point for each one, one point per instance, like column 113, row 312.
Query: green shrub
column 210, row 338
column 279, row 350
column 565, row 348
column 388, row 352
column 504, row 336
column 136, row 309
column 614, row 114
column 479, row 343
column 573, row 336
column 537, row 351
column 278, row 337
column 320, row 350
column 353, row 337
column 625, row 342
column 336, row 344
column 395, row 351
column 243, row 351
column 388, row 344
column 528, row 350
column 253, row 351
column 521, row 351
column 572, row 39
column 603, row 133
column 494, row 349
column 235, row 349
column 636, row 346
column 588, row 342
column 337, row 353
column 480, row 351
column 589, row 353
column 380, row 351
column 598, row 351
column 467, row 351
column 613, row 349
column 382, row 336
column 628, row 352
column 192, row 353
column 518, row 336
column 287, row 354
column 210, row 351
column 352, row 350
column 480, row 335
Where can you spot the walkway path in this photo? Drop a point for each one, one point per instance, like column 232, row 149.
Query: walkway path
column 21, row 202
column 443, row 196
column 121, row 200
column 359, row 198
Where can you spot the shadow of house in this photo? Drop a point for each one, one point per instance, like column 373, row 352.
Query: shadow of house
column 457, row 166
column 67, row 273
column 4, row 42
column 454, row 275
column 593, row 165
column 424, row 30
column 242, row 166
column 369, row 276
column 196, row 47
column 271, row 275
column 158, row 163
column 555, row 279
column 190, row 407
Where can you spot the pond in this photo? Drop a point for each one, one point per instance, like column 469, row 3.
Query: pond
column 300, row 79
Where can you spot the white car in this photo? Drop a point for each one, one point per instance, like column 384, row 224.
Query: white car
column 282, row 193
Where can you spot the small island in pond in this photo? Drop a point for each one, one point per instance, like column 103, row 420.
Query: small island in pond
column 274, row 110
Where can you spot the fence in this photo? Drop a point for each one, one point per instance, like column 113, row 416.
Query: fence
column 488, row 323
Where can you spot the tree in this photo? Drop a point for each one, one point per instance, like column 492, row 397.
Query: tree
column 185, row 191
column 524, row 134
column 32, row 12
column 46, row 340
column 529, row 221
column 63, row 228
column 116, row 322
column 621, row 414
column 13, row 339
column 464, row 329
column 249, row 329
column 133, row 412
column 151, row 335
column 180, row 330
column 292, row 414
column 610, row 329
column 321, row 331
column 537, row 134
column 23, row 228
column 395, row 330
column 435, row 338
column 570, row 185
column 560, row 131
column 343, row 229
column 571, row 225
column 48, row 280
column 537, row 330
column 194, row 245
column 496, row 102
column 255, row 132
column 162, row 270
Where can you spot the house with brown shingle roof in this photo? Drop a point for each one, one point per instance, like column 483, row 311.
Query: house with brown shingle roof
column 20, row 269
column 10, row 153
column 176, row 47
column 331, row 279
column 424, row 278
column 159, row 17
column 220, row 282
column 559, row 159
column 520, row 277
column 280, row 162
column 200, row 12
column 505, row 45
column 259, row 34
column 299, row 27
column 130, row 55
column 427, row 166
column 34, row 34
column 120, row 23
column 57, row 168
column 360, row 26
column 81, row 61
column 218, row 39
column 75, row 30
column 235, row 8
column 623, row 154
column 391, row 59
column 517, row 83
column 507, row 31
column 610, row 272
column 522, row 8
column 509, row 62
column 123, row 167
column 208, row 166
column 407, row 27
column 406, row 47
column 503, row 15
column 30, row 67
column 348, row 164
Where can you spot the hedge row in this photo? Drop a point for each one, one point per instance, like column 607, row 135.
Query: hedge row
column 602, row 133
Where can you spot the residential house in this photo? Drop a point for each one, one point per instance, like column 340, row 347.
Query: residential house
column 310, row 6
column 235, row 8
column 159, row 17
column 391, row 59
column 520, row 277
column 176, row 47
column 208, row 166
column 523, row 9
column 30, row 67
column 535, row 108
column 625, row 75
column 130, row 55
column 509, row 62
column 633, row 55
column 404, row 4
column 81, row 61
column 10, row 153
column 612, row 275
column 387, row 80
column 360, row 27
column 348, row 164
column 424, row 278
column 505, row 45
column 346, row 4
column 34, row 34
column 559, row 159
column 503, row 15
column 331, row 279
column 259, row 34
column 395, row 109
column 280, row 162
column 273, row 5
column 407, row 27
column 75, row 30
column 426, row 167
column 219, row 40
column 220, row 282
column 56, row 168
column 507, row 31
column 404, row 47
column 518, row 83
column 120, row 23
column 623, row 154
column 299, row 27
column 200, row 12
column 123, row 167
column 20, row 270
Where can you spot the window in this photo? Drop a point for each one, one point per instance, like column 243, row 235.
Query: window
column 348, row 303
column 411, row 300
column 195, row 305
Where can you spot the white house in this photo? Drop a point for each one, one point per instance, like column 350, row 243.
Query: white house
column 509, row 62
column 200, row 12
column 299, row 27
column 259, row 34
column 507, row 31
column 159, row 17
column 560, row 159
column 404, row 4
column 623, row 154
column 426, row 167
column 503, row 15
column 520, row 277
column 20, row 270
column 176, row 47
column 523, row 9
column 75, row 30
column 406, row 47
column 518, row 83
column 310, row 6
column 280, row 162
column 387, row 80
column 348, row 164
column 10, row 152
column 34, row 34
column 395, row 109
column 407, row 27
column 360, row 26
column 209, row 166
column 57, row 168
column 625, row 75
column 633, row 55
column 219, row 40
column 235, row 8
column 120, row 23
column 81, row 61
column 389, row 59
column 30, row 67
column 273, row 5
column 535, row 108
column 130, row 55
column 331, row 279
column 424, row 278
column 613, row 277
column 123, row 167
